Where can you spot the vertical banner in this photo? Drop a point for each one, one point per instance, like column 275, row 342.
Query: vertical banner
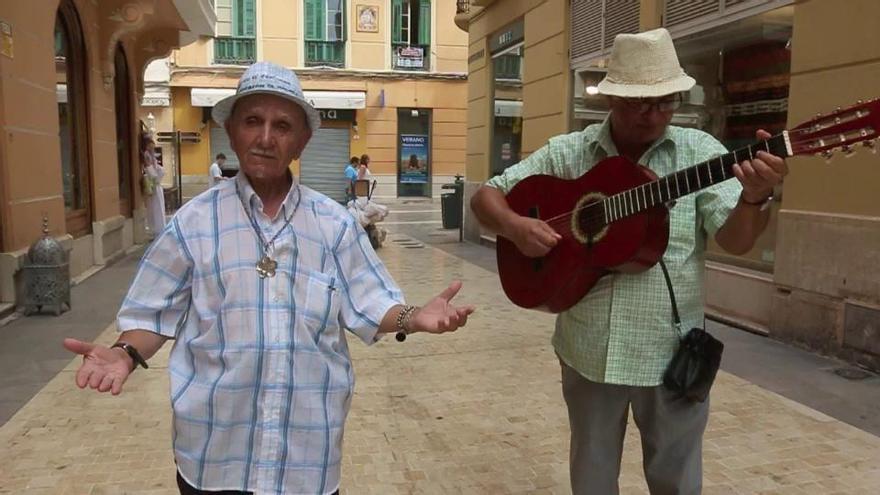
column 414, row 158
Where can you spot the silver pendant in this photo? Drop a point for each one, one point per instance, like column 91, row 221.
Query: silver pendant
column 266, row 267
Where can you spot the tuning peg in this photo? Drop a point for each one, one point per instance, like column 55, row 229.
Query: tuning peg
column 827, row 154
column 847, row 150
column 870, row 145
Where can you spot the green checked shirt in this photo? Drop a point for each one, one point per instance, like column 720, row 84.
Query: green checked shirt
column 622, row 331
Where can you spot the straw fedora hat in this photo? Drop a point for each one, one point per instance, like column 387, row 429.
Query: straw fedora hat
column 644, row 65
column 272, row 79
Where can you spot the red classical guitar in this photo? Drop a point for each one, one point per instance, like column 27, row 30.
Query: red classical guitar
column 615, row 217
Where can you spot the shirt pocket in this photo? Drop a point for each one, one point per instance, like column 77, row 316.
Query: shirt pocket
column 320, row 313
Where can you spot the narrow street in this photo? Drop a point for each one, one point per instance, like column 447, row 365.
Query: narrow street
column 479, row 411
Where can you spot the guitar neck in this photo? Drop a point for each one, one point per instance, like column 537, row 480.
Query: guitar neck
column 689, row 180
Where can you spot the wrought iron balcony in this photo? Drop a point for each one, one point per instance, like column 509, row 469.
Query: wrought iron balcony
column 235, row 50
column 327, row 53
column 405, row 56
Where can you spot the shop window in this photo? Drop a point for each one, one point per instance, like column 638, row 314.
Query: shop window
column 70, row 83
column 742, row 70
column 325, row 33
column 411, row 34
column 237, row 27
column 507, row 71
column 123, row 92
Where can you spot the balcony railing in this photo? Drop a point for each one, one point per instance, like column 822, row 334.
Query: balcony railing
column 462, row 6
column 411, row 57
column 329, row 53
column 235, row 50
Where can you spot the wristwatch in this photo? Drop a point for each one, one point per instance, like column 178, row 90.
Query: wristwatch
column 764, row 203
column 133, row 353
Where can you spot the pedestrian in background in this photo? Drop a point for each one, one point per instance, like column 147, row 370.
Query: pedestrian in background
column 154, row 194
column 215, row 171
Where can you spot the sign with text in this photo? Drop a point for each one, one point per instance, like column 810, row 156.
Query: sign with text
column 414, row 158
column 412, row 57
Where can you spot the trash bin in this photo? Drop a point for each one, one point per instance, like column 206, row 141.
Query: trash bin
column 451, row 203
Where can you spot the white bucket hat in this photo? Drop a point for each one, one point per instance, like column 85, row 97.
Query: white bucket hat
column 271, row 79
column 644, row 65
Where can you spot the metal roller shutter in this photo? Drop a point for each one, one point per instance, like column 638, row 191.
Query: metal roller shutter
column 322, row 165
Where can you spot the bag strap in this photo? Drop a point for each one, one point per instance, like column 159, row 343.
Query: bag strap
column 675, row 316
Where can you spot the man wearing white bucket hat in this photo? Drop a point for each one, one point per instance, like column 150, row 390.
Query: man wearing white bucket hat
column 256, row 280
column 615, row 344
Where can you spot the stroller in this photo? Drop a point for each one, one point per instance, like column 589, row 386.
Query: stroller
column 367, row 212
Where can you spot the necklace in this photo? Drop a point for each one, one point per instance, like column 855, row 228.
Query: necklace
column 266, row 266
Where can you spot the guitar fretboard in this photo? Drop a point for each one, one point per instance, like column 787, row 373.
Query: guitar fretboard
column 687, row 181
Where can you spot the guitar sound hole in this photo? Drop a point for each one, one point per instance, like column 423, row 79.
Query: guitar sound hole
column 588, row 224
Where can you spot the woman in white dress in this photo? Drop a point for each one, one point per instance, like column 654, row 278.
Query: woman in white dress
column 155, row 201
column 364, row 168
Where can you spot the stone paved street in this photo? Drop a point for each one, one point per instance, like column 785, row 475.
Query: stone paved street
column 476, row 412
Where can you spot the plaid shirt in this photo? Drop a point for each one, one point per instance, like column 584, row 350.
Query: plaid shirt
column 261, row 379
column 621, row 332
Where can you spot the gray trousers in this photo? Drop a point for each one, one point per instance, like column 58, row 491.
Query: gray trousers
column 671, row 430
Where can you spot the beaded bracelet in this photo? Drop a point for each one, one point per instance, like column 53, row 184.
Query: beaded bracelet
column 402, row 319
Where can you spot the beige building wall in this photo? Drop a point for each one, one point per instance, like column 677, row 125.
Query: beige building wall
column 827, row 272
column 31, row 185
column 279, row 34
column 546, row 83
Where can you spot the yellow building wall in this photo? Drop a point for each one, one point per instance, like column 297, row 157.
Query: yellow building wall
column 279, row 30
column 369, row 50
column 546, row 79
column 835, row 61
column 196, row 54
column 450, row 43
column 29, row 141
column 195, row 157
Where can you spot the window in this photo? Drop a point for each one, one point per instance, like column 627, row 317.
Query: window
column 237, row 27
column 123, row 92
column 411, row 34
column 507, row 113
column 325, row 33
column 70, row 84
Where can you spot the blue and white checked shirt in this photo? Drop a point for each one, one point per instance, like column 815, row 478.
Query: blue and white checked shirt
column 261, row 379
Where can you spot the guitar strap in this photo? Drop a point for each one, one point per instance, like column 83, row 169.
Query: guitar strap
column 675, row 317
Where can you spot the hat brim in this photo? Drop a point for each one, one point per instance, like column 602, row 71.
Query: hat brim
column 677, row 85
column 223, row 109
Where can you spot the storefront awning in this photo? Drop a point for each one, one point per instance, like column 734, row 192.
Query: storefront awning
column 208, row 97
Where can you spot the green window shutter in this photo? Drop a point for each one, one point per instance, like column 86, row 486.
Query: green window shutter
column 397, row 21
column 244, row 18
column 315, row 20
column 250, row 19
column 424, row 22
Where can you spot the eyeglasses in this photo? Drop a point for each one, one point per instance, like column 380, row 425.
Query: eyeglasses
column 644, row 105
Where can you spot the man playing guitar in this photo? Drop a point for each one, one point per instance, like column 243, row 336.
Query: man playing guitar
column 615, row 343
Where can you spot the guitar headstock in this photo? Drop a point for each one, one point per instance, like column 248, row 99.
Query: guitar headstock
column 839, row 130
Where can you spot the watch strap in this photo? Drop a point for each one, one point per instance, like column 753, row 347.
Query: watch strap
column 133, row 353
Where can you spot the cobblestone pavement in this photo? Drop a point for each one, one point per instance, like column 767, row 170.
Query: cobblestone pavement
column 476, row 412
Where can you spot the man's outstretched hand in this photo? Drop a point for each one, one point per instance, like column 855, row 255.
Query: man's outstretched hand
column 103, row 369
column 439, row 315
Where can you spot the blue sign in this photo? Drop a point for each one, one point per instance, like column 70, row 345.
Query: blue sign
column 414, row 158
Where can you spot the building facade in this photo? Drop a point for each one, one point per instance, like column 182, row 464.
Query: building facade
column 71, row 73
column 388, row 76
column 812, row 277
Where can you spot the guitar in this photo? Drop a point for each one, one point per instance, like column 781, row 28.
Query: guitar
column 615, row 217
